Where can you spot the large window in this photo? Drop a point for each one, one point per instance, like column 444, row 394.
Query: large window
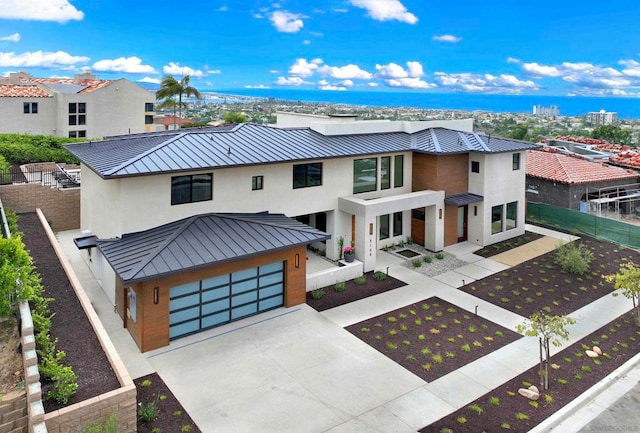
column 306, row 175
column 148, row 106
column 496, row 219
column 385, row 172
column 397, row 224
column 511, row 221
column 30, row 107
column 384, row 226
column 191, row 188
column 365, row 175
column 398, row 171
column 515, row 161
column 77, row 113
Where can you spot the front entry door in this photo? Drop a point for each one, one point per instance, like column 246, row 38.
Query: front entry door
column 462, row 223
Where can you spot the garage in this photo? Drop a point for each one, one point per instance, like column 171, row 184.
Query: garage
column 205, row 304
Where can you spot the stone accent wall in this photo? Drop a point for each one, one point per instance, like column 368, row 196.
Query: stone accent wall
column 13, row 412
column 60, row 206
column 33, row 398
column 121, row 401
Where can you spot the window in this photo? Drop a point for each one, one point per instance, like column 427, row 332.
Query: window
column 82, row 119
column 82, row 134
column 30, row 107
column 475, row 167
column 515, row 158
column 384, row 226
column 256, row 183
column 148, row 106
column 496, row 219
column 365, row 175
column 77, row 113
column 511, row 221
column 148, row 120
column 385, row 172
column 73, row 119
column 397, row 224
column 191, row 188
column 398, row 171
column 73, row 134
column 306, row 175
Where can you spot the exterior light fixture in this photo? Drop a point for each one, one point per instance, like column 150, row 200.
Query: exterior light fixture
column 156, row 295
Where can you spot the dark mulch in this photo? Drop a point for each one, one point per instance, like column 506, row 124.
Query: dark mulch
column 70, row 324
column 501, row 247
column 433, row 337
column 353, row 292
column 171, row 415
column 575, row 373
column 540, row 285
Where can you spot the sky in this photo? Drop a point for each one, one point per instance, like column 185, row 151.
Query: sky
column 559, row 47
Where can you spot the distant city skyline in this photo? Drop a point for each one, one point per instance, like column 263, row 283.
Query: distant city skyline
column 584, row 48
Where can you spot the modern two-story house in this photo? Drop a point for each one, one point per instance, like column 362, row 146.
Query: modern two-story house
column 191, row 229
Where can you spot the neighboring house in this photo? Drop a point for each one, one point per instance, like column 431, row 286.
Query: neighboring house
column 572, row 182
column 83, row 106
column 159, row 206
column 165, row 122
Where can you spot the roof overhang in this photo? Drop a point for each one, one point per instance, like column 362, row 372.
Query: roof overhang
column 463, row 199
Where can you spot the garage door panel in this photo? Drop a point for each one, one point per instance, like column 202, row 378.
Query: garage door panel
column 182, row 315
column 270, row 303
column 185, row 301
column 272, row 267
column 185, row 289
column 216, row 319
column 245, row 310
column 271, row 279
column 214, row 307
column 215, row 294
column 184, row 328
column 244, row 286
column 222, row 280
column 244, row 275
column 244, row 298
column 271, row 291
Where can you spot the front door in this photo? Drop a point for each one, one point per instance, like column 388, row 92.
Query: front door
column 462, row 223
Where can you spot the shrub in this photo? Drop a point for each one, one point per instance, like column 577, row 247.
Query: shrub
column 341, row 286
column 379, row 276
column 494, row 401
column 317, row 294
column 476, row 408
column 360, row 281
column 439, row 256
column 416, row 263
column 186, row 428
column 26, row 148
column 147, row 412
column 427, row 259
column 145, row 383
column 574, row 258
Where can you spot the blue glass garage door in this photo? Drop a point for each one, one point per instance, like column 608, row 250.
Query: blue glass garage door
column 204, row 304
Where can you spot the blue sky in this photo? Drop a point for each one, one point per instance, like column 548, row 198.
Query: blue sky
column 560, row 47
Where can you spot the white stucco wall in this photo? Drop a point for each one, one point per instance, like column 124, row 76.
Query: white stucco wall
column 14, row 120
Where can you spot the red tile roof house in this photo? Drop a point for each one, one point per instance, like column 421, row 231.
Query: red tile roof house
column 569, row 181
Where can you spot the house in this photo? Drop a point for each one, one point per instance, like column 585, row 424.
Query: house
column 175, row 220
column 83, row 106
column 573, row 182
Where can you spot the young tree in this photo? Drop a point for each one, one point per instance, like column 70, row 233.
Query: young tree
column 18, row 278
column 627, row 282
column 234, row 117
column 170, row 88
column 549, row 330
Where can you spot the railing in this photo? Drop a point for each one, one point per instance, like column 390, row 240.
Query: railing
column 58, row 177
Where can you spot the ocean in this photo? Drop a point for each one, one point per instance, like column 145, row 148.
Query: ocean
column 627, row 108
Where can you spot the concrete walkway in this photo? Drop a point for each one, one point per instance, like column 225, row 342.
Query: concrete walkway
column 298, row 370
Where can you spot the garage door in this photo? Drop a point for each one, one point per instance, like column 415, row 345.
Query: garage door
column 204, row 304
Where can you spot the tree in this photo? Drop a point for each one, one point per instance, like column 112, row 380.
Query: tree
column 233, row 117
column 18, row 278
column 627, row 281
column 612, row 133
column 549, row 330
column 170, row 88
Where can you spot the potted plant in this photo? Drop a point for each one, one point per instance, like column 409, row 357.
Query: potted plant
column 349, row 253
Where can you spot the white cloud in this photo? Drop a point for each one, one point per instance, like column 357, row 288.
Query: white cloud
column 259, row 86
column 588, row 75
column 222, row 9
column 484, row 83
column 344, row 72
column 149, row 80
column 40, row 59
column 346, row 83
column 306, row 42
column 409, row 83
column 304, row 68
column 175, row 69
column 131, row 65
column 290, row 81
column 537, row 70
column 632, row 68
column 386, row 10
column 39, row 10
column 11, row 38
column 286, row 22
column 393, row 70
column 512, row 60
column 372, row 84
column 447, row 38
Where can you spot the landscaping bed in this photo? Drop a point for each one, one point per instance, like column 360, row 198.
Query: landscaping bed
column 353, row 291
column 501, row 247
column 572, row 372
column 540, row 285
column 433, row 337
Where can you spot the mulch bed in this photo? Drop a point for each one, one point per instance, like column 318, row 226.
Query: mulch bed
column 501, row 247
column 573, row 375
column 433, row 337
column 70, row 324
column 171, row 415
column 540, row 285
column 353, row 292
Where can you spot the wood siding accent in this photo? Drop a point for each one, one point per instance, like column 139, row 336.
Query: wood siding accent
column 449, row 173
column 151, row 330
column 450, row 225
column 417, row 230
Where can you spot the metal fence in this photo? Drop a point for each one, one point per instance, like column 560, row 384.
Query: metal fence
column 58, row 177
column 582, row 223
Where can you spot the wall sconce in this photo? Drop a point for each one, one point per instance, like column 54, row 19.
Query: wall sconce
column 440, row 214
column 475, row 211
column 156, row 295
column 370, row 229
column 297, row 260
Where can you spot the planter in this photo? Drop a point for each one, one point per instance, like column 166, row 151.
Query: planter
column 349, row 257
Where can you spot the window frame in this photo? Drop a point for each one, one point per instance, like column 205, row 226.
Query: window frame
column 257, row 183
column 148, row 119
column 360, row 172
column 148, row 107
column 309, row 180
column 29, row 108
column 398, row 171
column 475, row 166
column 193, row 188
column 381, row 222
column 397, row 224
column 385, row 172
column 515, row 161
column 497, row 210
column 511, row 207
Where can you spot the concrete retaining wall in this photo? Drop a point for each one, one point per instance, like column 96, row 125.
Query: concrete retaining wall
column 60, row 206
column 330, row 277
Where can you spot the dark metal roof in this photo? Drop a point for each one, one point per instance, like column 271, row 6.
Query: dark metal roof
column 250, row 144
column 201, row 241
column 463, row 199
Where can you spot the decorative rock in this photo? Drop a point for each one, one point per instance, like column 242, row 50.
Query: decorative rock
column 528, row 393
column 534, row 389
column 597, row 350
column 591, row 353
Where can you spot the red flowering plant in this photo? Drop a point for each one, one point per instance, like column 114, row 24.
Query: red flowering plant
column 349, row 250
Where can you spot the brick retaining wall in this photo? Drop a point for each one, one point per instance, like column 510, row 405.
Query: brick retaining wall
column 60, row 206
column 13, row 412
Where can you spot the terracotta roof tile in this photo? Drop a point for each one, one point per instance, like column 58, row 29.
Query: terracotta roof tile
column 22, row 91
column 91, row 84
column 567, row 169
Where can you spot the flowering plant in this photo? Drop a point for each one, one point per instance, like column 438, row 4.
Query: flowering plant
column 349, row 250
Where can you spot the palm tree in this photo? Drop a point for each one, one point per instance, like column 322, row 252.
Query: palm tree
column 170, row 87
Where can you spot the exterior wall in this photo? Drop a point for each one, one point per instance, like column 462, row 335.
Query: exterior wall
column 60, row 206
column 14, row 120
column 151, row 329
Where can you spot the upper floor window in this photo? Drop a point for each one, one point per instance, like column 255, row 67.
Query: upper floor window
column 385, row 172
column 398, row 171
column 475, row 167
column 30, row 107
column 148, row 120
column 148, row 106
column 306, row 175
column 77, row 113
column 191, row 188
column 365, row 175
column 515, row 158
column 256, row 183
